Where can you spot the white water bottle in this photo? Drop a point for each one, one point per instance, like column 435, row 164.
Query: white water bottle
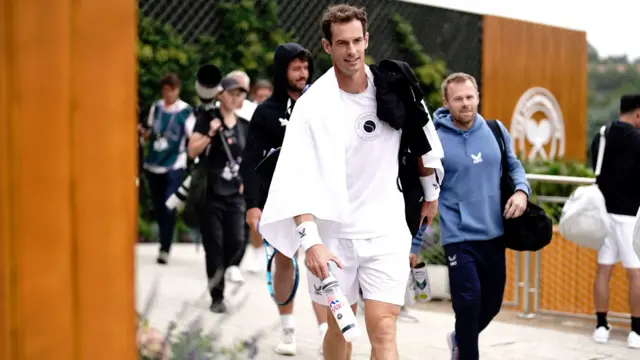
column 421, row 281
column 340, row 309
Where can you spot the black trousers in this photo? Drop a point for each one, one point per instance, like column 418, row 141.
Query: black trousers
column 162, row 186
column 477, row 277
column 223, row 238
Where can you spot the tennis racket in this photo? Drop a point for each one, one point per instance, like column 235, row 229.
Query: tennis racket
column 270, row 253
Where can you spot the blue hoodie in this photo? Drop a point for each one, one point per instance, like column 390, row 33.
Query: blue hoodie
column 469, row 203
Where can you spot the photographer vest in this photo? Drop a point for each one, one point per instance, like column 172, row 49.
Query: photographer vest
column 167, row 142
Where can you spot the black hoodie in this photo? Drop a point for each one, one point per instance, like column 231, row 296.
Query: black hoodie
column 266, row 131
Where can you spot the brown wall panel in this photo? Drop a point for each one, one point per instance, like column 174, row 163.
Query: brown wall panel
column 518, row 56
column 104, row 167
column 37, row 240
column 67, row 191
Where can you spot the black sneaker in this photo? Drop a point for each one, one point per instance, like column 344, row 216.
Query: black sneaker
column 218, row 308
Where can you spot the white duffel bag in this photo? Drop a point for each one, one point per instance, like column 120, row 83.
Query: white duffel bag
column 584, row 218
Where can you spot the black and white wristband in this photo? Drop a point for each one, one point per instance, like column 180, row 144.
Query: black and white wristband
column 309, row 236
column 430, row 187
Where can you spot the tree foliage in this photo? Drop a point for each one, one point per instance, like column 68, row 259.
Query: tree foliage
column 162, row 50
column 430, row 72
column 609, row 79
column 246, row 38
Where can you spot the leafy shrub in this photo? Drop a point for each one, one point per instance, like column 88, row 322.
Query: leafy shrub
column 246, row 38
column 162, row 50
column 558, row 167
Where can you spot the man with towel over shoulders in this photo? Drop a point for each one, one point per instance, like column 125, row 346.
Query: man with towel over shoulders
column 335, row 184
column 293, row 69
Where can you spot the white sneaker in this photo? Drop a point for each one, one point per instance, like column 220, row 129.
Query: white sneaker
column 601, row 335
column 256, row 262
column 287, row 345
column 234, row 275
column 633, row 341
column 323, row 332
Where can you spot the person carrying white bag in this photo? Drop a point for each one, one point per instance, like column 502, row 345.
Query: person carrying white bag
column 619, row 183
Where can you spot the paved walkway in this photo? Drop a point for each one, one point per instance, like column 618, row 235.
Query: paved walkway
column 184, row 278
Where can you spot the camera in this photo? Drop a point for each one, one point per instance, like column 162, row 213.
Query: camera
column 178, row 199
column 207, row 87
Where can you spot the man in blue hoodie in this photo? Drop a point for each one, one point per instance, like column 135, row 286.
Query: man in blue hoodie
column 470, row 211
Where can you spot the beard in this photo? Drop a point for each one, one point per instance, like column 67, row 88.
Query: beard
column 464, row 118
column 294, row 86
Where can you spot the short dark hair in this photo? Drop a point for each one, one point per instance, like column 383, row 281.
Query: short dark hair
column 629, row 103
column 342, row 14
column 172, row 80
column 303, row 55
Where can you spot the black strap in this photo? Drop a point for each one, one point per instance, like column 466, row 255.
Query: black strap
column 497, row 133
column 223, row 139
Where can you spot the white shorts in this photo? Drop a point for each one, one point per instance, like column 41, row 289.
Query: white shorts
column 618, row 246
column 379, row 266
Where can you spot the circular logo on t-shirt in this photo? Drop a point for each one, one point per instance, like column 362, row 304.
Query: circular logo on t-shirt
column 368, row 127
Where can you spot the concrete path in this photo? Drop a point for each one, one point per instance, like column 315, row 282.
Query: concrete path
column 424, row 337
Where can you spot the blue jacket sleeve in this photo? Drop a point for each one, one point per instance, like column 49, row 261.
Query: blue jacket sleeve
column 416, row 242
column 516, row 170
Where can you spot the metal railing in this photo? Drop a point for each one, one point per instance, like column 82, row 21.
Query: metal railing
column 525, row 284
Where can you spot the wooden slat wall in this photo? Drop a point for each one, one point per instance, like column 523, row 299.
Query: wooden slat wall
column 517, row 55
column 67, row 179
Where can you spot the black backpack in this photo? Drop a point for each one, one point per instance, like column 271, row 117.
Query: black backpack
column 531, row 231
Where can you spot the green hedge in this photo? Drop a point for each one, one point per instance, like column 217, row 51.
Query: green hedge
column 561, row 168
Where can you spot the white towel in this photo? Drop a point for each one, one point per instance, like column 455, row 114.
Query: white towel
column 433, row 159
column 310, row 176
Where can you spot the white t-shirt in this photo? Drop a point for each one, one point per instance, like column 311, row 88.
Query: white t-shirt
column 376, row 206
column 247, row 109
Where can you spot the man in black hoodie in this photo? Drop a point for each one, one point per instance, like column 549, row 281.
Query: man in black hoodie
column 293, row 69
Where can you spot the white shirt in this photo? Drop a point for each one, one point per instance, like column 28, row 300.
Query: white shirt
column 376, row 206
column 247, row 109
